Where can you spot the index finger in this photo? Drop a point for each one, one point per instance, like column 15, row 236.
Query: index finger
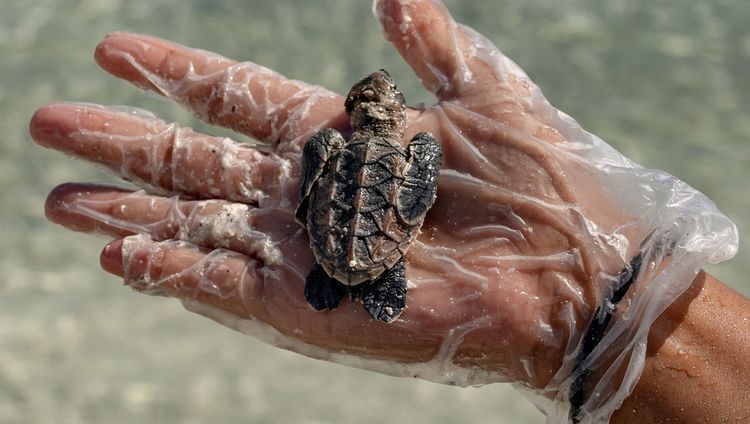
column 245, row 97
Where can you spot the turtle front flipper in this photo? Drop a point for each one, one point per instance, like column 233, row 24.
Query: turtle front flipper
column 317, row 150
column 417, row 192
column 385, row 298
column 321, row 291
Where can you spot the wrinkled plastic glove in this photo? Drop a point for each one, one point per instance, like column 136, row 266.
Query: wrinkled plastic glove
column 534, row 224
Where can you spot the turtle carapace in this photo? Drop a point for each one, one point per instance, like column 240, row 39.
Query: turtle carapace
column 363, row 200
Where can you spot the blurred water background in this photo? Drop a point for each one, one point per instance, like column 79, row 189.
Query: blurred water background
column 665, row 82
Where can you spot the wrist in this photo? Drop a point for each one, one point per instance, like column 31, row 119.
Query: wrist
column 696, row 367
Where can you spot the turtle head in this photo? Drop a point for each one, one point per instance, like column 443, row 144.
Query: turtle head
column 375, row 103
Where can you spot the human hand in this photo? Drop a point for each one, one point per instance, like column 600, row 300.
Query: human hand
column 513, row 259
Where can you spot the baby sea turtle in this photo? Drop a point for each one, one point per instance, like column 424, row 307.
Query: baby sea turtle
column 363, row 201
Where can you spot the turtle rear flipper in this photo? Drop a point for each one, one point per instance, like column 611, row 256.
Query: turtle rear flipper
column 385, row 298
column 321, row 291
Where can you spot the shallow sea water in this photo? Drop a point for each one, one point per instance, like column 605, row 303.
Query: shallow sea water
column 666, row 83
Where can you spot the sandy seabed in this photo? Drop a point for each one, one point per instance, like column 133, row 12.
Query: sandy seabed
column 663, row 83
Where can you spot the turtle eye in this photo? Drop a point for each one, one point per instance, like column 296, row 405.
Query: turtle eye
column 368, row 94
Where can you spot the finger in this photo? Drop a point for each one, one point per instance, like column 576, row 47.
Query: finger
column 182, row 270
column 207, row 223
column 451, row 61
column 235, row 289
column 161, row 156
column 91, row 208
column 460, row 65
column 430, row 41
column 245, row 97
column 225, row 280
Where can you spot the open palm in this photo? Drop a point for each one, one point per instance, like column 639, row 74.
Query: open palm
column 506, row 266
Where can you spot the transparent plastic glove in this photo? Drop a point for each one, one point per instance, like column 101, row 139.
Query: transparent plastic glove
column 534, row 222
